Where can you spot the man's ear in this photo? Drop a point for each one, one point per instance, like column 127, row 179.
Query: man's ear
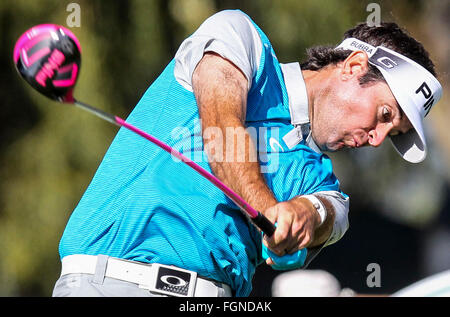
column 355, row 65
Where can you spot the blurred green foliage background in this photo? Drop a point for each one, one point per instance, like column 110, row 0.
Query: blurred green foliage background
column 50, row 152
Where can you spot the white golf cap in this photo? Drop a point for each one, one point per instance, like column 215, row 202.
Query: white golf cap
column 415, row 89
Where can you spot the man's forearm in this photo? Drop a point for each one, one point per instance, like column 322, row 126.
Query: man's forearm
column 221, row 94
column 244, row 177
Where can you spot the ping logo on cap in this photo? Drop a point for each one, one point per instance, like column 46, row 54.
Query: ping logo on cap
column 428, row 94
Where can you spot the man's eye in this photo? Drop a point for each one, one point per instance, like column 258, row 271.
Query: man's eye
column 386, row 114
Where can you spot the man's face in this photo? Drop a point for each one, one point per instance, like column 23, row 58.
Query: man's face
column 347, row 114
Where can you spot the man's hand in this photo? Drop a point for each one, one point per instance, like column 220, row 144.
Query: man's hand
column 298, row 226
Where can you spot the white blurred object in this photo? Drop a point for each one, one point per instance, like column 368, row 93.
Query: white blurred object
column 437, row 285
column 308, row 283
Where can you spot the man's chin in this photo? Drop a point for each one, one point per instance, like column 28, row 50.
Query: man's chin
column 331, row 147
column 328, row 146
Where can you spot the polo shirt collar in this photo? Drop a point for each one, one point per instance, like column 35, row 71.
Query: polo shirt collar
column 298, row 102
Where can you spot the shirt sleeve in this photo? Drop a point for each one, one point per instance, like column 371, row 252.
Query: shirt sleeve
column 229, row 33
column 341, row 205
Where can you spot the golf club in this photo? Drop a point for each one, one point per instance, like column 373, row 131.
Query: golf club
column 48, row 57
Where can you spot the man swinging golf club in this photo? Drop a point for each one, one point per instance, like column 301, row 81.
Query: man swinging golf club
column 149, row 226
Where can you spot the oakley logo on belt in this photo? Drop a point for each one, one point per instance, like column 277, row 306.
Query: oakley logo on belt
column 172, row 281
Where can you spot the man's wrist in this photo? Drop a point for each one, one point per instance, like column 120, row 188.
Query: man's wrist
column 318, row 206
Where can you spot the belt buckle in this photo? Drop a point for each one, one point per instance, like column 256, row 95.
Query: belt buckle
column 173, row 281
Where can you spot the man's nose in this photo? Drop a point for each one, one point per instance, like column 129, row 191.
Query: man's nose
column 377, row 135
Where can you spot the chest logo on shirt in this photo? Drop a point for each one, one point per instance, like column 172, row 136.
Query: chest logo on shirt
column 273, row 143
